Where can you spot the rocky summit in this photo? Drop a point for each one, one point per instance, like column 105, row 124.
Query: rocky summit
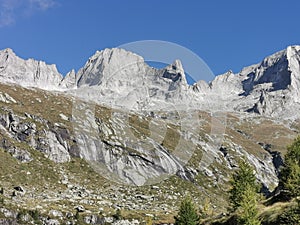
column 121, row 78
column 120, row 136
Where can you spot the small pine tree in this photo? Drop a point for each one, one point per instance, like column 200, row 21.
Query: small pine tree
column 248, row 212
column 290, row 173
column 242, row 179
column 187, row 214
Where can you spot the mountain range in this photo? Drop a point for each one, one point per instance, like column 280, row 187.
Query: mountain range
column 270, row 87
column 118, row 121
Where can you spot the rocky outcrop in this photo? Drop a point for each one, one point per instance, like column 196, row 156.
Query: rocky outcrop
column 69, row 81
column 53, row 142
column 270, row 88
column 6, row 98
column 122, row 79
column 28, row 73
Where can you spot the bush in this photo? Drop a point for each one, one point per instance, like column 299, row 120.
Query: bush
column 35, row 215
column 21, row 214
column 149, row 221
column 291, row 216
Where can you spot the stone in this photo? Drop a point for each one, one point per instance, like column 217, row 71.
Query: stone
column 63, row 117
column 55, row 213
column 20, row 154
column 51, row 222
column 80, row 208
column 91, row 219
column 19, row 189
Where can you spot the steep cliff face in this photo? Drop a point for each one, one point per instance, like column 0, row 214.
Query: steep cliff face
column 269, row 88
column 122, row 79
column 28, row 73
column 293, row 55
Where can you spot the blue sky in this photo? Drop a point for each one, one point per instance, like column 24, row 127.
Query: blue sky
column 225, row 34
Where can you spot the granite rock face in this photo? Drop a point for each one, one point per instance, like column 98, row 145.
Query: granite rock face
column 28, row 73
column 269, row 88
column 51, row 141
column 122, row 79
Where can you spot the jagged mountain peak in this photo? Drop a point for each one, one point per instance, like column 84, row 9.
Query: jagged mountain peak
column 8, row 51
column 28, row 73
column 69, row 81
column 116, row 52
column 175, row 72
column 273, row 72
column 293, row 49
column 6, row 55
column 106, row 63
column 123, row 78
column 177, row 65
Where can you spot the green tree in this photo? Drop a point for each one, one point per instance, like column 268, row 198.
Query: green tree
column 187, row 214
column 243, row 179
column 243, row 195
column 290, row 173
column 248, row 212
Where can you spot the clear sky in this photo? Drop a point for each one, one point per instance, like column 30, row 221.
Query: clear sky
column 225, row 34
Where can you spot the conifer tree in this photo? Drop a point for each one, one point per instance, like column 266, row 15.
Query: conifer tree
column 242, row 180
column 290, row 173
column 187, row 214
column 248, row 212
column 243, row 195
